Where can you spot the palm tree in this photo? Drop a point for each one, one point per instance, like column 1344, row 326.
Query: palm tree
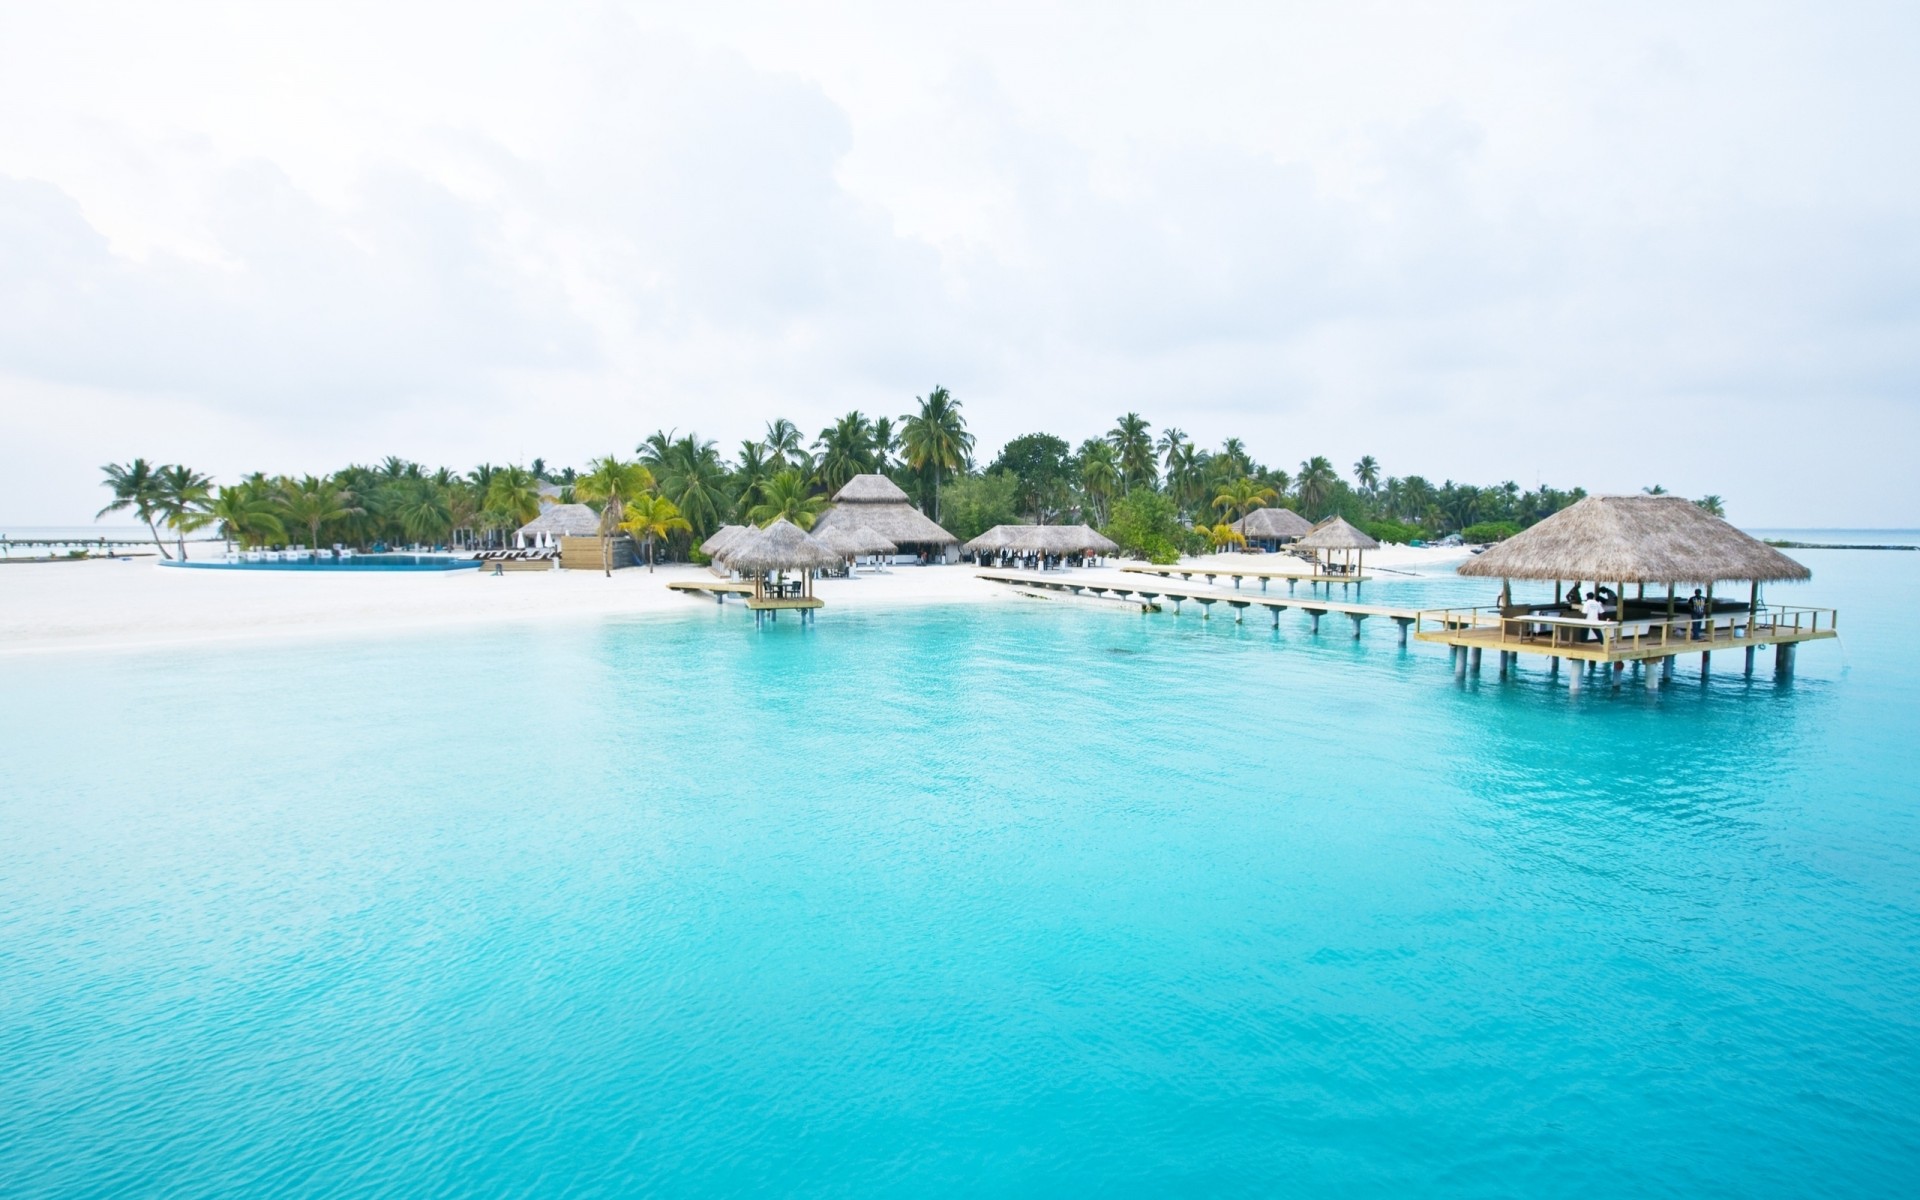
column 1655, row 490
column 750, row 475
column 611, row 483
column 1186, row 473
column 788, row 495
column 183, row 499
column 245, row 512
column 783, row 440
column 886, row 442
column 136, row 486
column 936, row 439
column 424, row 510
column 651, row 517
column 1242, row 496
column 1234, row 459
column 1367, row 473
column 1223, row 535
column 313, row 501
column 1712, row 505
column 692, row 476
column 653, row 451
column 1099, row 476
column 1315, row 484
column 846, row 450
column 1132, row 443
column 512, row 498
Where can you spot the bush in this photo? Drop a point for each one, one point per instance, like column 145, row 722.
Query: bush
column 1390, row 531
column 1489, row 531
column 1146, row 525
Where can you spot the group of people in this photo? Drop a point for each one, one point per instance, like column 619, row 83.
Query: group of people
column 1595, row 603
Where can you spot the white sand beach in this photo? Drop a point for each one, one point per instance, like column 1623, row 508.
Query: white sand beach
column 108, row 604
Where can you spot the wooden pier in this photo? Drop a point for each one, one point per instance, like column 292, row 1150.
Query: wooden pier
column 1150, row 594
column 1612, row 645
column 719, row 589
column 1237, row 574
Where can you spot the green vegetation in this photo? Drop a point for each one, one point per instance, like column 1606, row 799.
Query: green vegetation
column 1157, row 494
column 1489, row 531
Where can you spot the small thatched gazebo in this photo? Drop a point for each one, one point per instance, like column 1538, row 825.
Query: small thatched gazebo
column 1618, row 540
column 876, row 502
column 1338, row 534
column 852, row 543
column 779, row 548
column 558, row 521
column 1057, row 540
column 726, row 535
column 1272, row 526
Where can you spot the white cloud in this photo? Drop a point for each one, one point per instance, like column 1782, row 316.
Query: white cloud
column 1604, row 247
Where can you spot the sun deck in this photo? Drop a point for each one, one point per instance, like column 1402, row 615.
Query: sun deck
column 1239, row 573
column 1623, row 641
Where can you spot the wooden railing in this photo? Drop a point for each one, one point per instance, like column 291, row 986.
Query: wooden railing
column 1509, row 627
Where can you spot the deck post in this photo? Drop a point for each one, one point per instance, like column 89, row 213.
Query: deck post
column 1474, row 658
column 1706, row 663
column 1291, row 579
column 1357, row 618
column 1653, row 674
column 1783, row 661
column 1276, row 618
column 1403, row 622
column 1749, row 671
column 1574, row 677
column 1553, row 667
column 1459, row 661
column 1316, row 620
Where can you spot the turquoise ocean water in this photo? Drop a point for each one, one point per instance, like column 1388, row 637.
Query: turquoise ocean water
column 1027, row 899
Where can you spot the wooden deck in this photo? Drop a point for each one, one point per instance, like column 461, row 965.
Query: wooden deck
column 780, row 603
column 719, row 589
column 1635, row 641
column 1239, row 573
column 1148, row 594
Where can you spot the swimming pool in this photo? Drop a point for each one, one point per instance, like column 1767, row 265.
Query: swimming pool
column 1018, row 898
column 355, row 562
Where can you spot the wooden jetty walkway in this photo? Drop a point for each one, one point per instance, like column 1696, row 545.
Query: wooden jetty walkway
column 1151, row 593
column 1236, row 574
column 719, row 589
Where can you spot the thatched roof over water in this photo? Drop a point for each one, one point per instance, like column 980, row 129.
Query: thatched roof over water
column 1337, row 533
column 726, row 535
column 877, row 503
column 1276, row 523
column 1635, row 539
column 1043, row 539
column 565, row 520
column 780, row 546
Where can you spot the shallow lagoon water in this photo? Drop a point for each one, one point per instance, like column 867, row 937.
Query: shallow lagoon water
column 1022, row 899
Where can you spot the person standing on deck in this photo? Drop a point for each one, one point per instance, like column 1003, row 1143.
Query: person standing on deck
column 1697, row 609
column 1591, row 608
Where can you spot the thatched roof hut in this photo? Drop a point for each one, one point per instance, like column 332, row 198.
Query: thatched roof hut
column 867, row 540
column 876, row 502
column 1273, row 525
column 781, row 546
column 1337, row 533
column 564, row 520
column 724, row 537
column 1635, row 539
column 1043, row 539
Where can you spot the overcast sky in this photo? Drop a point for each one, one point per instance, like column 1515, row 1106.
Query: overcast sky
column 1611, row 245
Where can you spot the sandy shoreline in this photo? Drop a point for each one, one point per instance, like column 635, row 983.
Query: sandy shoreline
column 108, row 605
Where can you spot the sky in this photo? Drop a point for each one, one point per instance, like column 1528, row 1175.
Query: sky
column 1611, row 245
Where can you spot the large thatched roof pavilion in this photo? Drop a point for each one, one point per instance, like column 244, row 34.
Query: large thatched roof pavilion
column 771, row 552
column 560, row 520
column 1273, row 526
column 1612, row 543
column 878, row 503
column 1060, row 540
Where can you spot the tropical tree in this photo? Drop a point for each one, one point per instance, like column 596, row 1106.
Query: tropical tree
column 936, row 440
column 846, row 450
column 246, row 512
column 1234, row 459
column 1222, row 535
column 1099, row 477
column 783, row 441
column 136, row 489
column 886, row 445
column 313, row 501
column 1655, row 490
column 692, row 475
column 1186, row 474
column 1040, row 466
column 751, row 475
column 184, row 495
column 511, row 499
column 423, row 510
column 789, row 495
column 652, row 517
column 1712, row 505
column 609, row 485
column 1132, row 442
column 1367, row 473
column 1242, row 496
column 1314, row 485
